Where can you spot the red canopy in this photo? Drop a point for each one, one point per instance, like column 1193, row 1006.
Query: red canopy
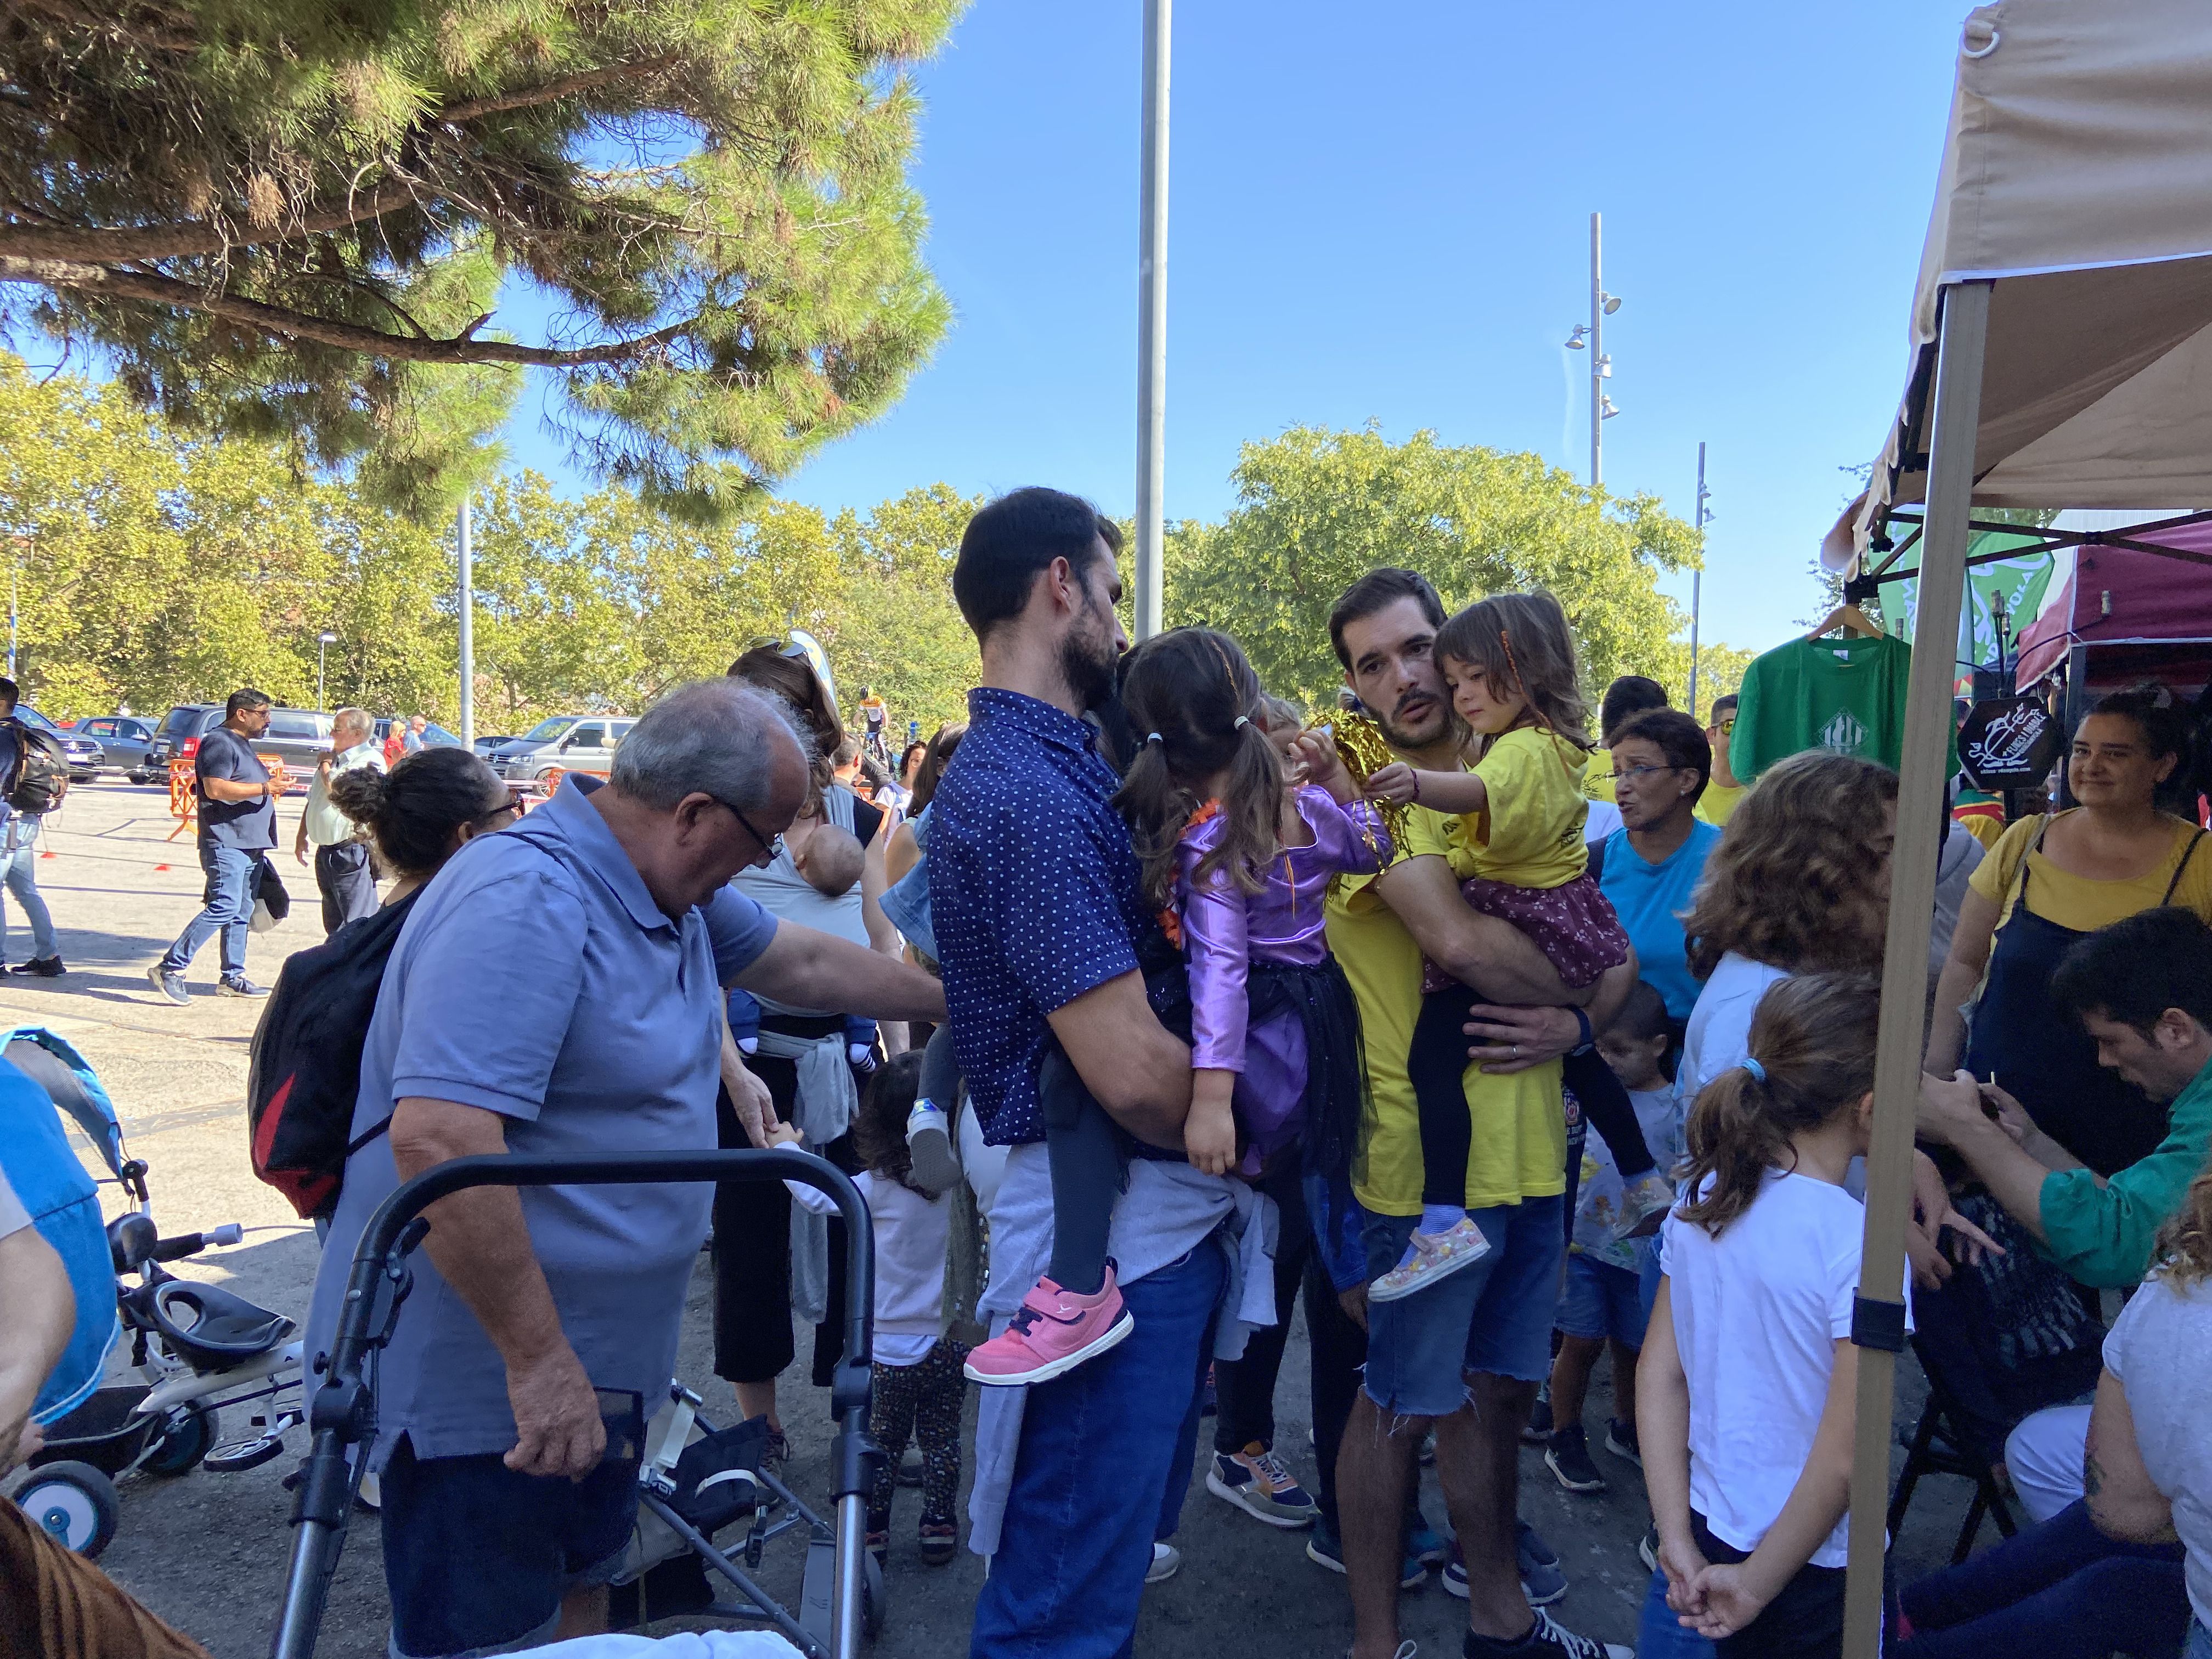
column 2107, row 597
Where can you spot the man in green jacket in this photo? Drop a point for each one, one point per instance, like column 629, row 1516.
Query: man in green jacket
column 2142, row 988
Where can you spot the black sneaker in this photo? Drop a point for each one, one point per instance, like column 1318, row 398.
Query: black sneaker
column 1323, row 1549
column 237, row 985
column 1568, row 1458
column 171, row 986
column 1621, row 1441
column 41, row 968
column 1545, row 1640
column 1647, row 1548
column 1539, row 1429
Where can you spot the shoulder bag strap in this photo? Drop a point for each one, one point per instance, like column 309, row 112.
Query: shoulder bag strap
column 2187, row 854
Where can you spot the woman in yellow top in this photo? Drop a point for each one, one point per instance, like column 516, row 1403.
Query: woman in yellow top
column 2048, row 880
column 1508, row 663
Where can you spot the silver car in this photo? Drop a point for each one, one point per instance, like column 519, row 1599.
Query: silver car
column 576, row 743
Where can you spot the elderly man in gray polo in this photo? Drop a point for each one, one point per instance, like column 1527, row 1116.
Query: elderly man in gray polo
column 344, row 874
column 558, row 989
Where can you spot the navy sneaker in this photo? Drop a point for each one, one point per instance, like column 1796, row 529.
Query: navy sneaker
column 1256, row 1481
column 1620, row 1440
column 1539, row 1429
column 1542, row 1580
column 171, row 986
column 237, row 985
column 1323, row 1549
column 1545, row 1640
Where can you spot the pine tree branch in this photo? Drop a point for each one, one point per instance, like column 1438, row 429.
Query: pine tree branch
column 101, row 282
column 190, row 237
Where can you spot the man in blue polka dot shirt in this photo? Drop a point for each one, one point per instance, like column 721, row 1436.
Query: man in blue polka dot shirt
column 1039, row 918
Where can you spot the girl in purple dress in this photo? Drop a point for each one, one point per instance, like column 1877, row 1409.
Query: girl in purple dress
column 1239, row 867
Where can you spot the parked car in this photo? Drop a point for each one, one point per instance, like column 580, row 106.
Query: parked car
column 84, row 755
column 584, row 743
column 485, row 746
column 298, row 737
column 434, row 736
column 126, row 744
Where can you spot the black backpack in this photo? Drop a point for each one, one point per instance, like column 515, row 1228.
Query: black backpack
column 305, row 1071
column 42, row 768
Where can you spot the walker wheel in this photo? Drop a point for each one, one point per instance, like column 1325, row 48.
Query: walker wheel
column 75, row 1502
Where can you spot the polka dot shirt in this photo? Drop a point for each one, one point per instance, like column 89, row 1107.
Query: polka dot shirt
column 1034, row 891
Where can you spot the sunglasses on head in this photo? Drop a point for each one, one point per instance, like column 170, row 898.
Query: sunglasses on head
column 775, row 643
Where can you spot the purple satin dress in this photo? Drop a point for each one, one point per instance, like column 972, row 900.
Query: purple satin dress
column 1225, row 929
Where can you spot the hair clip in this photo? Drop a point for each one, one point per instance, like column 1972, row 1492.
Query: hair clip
column 1154, row 736
column 1753, row 1067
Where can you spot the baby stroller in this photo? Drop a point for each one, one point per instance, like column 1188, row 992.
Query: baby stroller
column 198, row 1348
column 696, row 1480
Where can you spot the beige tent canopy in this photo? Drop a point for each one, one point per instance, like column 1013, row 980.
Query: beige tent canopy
column 2061, row 356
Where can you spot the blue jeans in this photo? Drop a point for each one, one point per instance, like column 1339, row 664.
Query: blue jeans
column 1105, row 1455
column 19, row 869
column 2060, row 1590
column 227, row 908
column 1660, row 1633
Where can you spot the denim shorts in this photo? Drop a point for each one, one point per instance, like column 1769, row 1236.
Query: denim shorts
column 477, row 1556
column 1494, row 1316
column 1600, row 1301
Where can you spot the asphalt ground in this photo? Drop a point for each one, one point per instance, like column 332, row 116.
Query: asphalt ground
column 207, row 1551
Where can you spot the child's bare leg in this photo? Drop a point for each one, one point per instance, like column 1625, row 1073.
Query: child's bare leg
column 1570, row 1376
column 1623, row 1381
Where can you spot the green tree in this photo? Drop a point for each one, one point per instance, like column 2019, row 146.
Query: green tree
column 292, row 220
column 1317, row 508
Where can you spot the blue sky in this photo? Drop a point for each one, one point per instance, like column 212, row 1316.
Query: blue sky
column 1382, row 212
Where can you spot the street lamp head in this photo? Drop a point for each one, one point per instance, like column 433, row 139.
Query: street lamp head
column 1606, row 410
column 1611, row 304
column 1574, row 339
column 327, row 638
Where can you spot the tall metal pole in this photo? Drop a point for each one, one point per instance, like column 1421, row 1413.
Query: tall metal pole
column 1597, row 357
column 321, row 701
column 1697, row 580
column 14, row 576
column 1152, row 324
column 468, row 605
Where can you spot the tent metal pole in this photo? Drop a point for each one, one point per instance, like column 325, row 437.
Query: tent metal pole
column 1878, row 1320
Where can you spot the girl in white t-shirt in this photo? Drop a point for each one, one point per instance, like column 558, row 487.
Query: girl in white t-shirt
column 1744, row 1393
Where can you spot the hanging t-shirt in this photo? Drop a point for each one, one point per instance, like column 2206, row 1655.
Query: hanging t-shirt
column 1531, row 833
column 1844, row 696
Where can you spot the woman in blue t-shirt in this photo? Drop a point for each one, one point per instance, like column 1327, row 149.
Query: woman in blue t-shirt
column 1651, row 866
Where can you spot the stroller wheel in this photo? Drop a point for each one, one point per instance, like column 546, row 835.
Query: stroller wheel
column 181, row 1439
column 75, row 1502
column 871, row 1594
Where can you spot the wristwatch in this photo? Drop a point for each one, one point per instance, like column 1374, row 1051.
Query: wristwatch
column 1588, row 1038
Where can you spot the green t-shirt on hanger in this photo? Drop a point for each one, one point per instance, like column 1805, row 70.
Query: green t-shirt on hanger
column 1845, row 695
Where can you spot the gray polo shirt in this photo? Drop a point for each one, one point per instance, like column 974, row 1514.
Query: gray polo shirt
column 547, row 986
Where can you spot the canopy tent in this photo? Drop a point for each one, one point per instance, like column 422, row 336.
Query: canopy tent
column 2061, row 356
column 2103, row 597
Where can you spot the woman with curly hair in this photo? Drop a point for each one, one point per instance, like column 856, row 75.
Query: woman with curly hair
column 1799, row 884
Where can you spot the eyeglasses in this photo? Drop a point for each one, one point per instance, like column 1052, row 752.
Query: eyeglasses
column 771, row 846
column 1725, row 727
column 1635, row 772
column 513, row 806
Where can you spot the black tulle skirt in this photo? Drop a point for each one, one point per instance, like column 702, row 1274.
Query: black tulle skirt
column 1320, row 998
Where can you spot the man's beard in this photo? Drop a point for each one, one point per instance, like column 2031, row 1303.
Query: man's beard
column 1404, row 739
column 1088, row 665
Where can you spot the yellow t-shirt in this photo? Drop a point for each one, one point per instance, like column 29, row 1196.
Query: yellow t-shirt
column 2082, row 902
column 1531, row 833
column 1597, row 777
column 1519, row 1146
column 1718, row 805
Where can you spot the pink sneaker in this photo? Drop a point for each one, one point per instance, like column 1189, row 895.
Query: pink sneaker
column 1053, row 1332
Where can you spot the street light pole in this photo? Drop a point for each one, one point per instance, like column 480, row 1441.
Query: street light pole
column 468, row 605
column 1697, row 577
column 1598, row 364
column 1152, row 324
column 322, row 644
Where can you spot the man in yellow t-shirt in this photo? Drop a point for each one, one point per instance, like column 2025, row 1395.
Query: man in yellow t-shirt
column 1717, row 804
column 1465, row 1354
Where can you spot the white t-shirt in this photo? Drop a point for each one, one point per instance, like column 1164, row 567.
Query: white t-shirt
column 1719, row 1034
column 913, row 1236
column 2160, row 1348
column 1757, row 1312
